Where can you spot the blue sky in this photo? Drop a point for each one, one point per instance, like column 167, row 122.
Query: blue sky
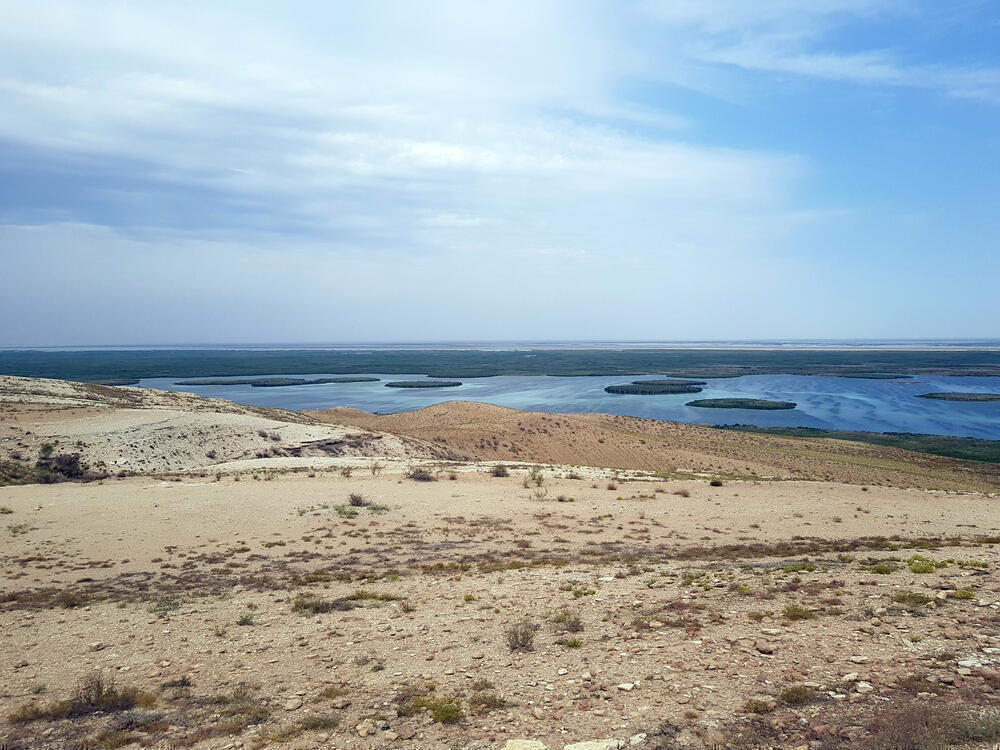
column 227, row 172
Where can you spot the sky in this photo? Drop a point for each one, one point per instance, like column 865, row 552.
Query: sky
column 306, row 172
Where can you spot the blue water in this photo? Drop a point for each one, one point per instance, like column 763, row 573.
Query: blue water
column 826, row 402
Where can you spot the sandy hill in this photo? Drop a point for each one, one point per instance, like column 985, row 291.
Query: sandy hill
column 122, row 429
column 487, row 432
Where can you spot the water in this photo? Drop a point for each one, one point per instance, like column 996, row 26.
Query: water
column 824, row 402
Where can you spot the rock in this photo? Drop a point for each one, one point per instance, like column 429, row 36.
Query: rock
column 859, row 659
column 764, row 647
column 97, row 646
column 538, row 713
column 341, row 703
column 970, row 663
column 563, row 671
column 366, row 727
column 627, row 686
column 608, row 744
column 850, row 677
column 637, row 739
column 525, row 745
column 713, row 738
column 864, row 687
column 390, row 735
column 293, row 704
column 953, row 634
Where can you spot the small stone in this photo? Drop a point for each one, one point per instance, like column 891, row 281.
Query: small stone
column 859, row 659
column 850, row 677
column 525, row 745
column 563, row 671
column 627, row 686
column 764, row 647
column 864, row 687
column 365, row 728
column 97, row 646
column 293, row 704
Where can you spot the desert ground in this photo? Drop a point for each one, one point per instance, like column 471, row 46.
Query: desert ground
column 204, row 574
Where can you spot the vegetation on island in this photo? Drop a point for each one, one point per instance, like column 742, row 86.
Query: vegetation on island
column 423, row 384
column 967, row 397
column 656, row 387
column 964, row 448
column 742, row 403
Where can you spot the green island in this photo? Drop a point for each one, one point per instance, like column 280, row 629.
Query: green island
column 276, row 382
column 655, row 387
column 423, row 384
column 968, row 397
column 967, row 449
column 741, row 403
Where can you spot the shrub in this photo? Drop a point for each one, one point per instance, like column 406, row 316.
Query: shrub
column 716, row 483
column 796, row 695
column 521, row 635
column 486, row 702
column 757, row 706
column 245, row 620
column 798, row 612
column 568, row 621
column 499, row 470
column 911, row 599
column 420, row 475
column 357, row 500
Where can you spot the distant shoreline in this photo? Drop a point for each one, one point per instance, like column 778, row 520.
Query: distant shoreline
column 764, row 345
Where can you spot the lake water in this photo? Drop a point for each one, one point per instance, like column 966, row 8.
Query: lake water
column 826, row 402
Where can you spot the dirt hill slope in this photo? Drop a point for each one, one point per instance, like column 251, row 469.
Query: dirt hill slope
column 487, row 432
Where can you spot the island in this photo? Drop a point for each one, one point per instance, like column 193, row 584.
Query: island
column 657, row 387
column 423, row 384
column 277, row 382
column 967, row 397
column 741, row 403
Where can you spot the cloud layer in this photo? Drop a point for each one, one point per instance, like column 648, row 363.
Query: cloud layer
column 396, row 170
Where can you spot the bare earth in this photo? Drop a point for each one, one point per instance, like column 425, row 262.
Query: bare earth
column 246, row 603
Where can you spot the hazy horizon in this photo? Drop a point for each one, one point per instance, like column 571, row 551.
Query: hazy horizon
column 523, row 171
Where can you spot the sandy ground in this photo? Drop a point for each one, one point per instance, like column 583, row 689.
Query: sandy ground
column 261, row 608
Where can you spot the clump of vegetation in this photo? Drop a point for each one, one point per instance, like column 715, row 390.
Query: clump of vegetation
column 484, row 702
column 911, row 600
column 797, row 695
column 521, row 635
column 442, row 710
column 798, row 612
column 715, row 483
column 245, row 620
column 883, row 568
column 800, row 567
column 357, row 500
column 568, row 621
column 921, row 725
column 94, row 693
column 758, row 706
column 418, row 474
column 499, row 470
